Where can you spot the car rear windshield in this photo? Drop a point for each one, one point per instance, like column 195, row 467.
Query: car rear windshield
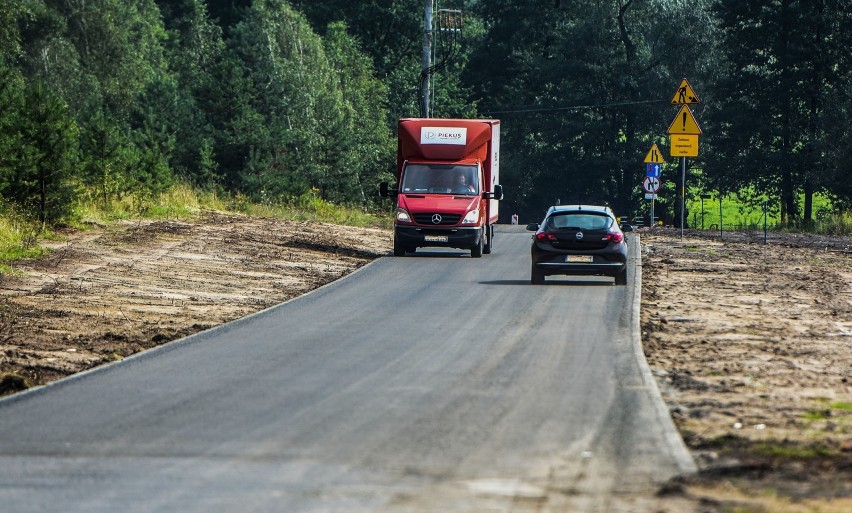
column 579, row 221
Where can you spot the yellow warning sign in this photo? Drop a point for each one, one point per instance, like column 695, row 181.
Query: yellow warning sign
column 684, row 146
column 685, row 94
column 654, row 156
column 684, row 123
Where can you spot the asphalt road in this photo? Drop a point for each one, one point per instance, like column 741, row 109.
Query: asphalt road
column 435, row 382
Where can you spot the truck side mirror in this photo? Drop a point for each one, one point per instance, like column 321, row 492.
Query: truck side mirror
column 385, row 191
column 496, row 195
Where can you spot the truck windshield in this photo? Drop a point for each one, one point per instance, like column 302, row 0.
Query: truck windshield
column 440, row 179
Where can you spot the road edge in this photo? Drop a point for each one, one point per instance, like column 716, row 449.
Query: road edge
column 677, row 446
column 176, row 343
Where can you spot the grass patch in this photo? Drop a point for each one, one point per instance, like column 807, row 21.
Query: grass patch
column 735, row 213
column 842, row 406
column 816, row 415
column 310, row 207
column 781, row 450
column 19, row 235
column 826, row 409
column 183, row 202
column 9, row 271
column 178, row 202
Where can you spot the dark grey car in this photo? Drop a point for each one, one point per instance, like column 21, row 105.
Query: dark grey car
column 578, row 240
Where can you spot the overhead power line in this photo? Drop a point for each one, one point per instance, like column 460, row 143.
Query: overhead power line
column 573, row 107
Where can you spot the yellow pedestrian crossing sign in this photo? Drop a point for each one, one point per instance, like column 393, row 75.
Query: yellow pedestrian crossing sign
column 685, row 95
column 684, row 123
column 654, row 156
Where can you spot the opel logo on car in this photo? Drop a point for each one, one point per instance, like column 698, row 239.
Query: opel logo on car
column 579, row 236
column 436, row 219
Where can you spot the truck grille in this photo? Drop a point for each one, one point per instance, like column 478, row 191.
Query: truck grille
column 429, row 219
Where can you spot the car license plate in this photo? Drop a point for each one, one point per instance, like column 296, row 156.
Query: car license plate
column 573, row 259
column 435, row 238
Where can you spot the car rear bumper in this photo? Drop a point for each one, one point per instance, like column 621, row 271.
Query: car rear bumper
column 416, row 237
column 609, row 269
column 604, row 263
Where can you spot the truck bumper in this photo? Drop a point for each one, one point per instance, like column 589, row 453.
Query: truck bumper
column 419, row 237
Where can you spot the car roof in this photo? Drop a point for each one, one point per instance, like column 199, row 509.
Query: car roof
column 597, row 209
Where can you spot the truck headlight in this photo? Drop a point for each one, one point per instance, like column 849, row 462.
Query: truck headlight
column 471, row 217
column 402, row 215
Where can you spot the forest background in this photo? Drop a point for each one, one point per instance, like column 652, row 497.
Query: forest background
column 275, row 100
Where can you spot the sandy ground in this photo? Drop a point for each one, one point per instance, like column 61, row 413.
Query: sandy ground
column 751, row 343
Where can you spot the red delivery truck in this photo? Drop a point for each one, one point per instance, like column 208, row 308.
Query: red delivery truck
column 447, row 190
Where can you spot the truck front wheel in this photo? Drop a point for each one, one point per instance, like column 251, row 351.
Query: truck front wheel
column 487, row 247
column 476, row 251
column 398, row 249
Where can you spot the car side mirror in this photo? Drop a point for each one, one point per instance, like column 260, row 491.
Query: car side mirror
column 626, row 227
column 385, row 191
column 533, row 227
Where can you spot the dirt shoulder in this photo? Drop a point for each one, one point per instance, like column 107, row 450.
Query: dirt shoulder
column 751, row 343
column 104, row 295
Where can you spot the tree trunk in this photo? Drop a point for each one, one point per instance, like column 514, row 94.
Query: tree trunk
column 42, row 214
column 808, row 218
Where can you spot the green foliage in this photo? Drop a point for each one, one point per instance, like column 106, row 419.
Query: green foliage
column 36, row 170
column 183, row 201
column 288, row 101
column 575, row 84
column 107, row 153
column 785, row 68
column 195, row 49
column 272, row 100
column 118, row 43
column 362, row 140
column 744, row 210
column 10, row 36
column 18, row 236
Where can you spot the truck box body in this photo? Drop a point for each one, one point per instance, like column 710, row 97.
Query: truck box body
column 448, row 189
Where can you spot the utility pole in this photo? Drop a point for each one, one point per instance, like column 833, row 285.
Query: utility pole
column 427, row 58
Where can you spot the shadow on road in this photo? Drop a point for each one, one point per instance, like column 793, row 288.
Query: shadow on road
column 573, row 283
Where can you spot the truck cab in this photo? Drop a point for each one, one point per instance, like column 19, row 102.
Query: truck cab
column 447, row 188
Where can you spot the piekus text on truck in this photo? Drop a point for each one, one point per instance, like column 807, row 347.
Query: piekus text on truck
column 447, row 192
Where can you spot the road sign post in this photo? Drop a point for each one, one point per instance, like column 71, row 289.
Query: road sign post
column 651, row 216
column 682, row 193
column 684, row 132
column 653, row 169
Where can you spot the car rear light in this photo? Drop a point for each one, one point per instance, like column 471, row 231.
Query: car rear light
column 545, row 237
column 614, row 237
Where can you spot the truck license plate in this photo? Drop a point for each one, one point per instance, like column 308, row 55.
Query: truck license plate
column 578, row 259
column 435, row 238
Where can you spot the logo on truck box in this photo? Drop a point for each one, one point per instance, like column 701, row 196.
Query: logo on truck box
column 443, row 135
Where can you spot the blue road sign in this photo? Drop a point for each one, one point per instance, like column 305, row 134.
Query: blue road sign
column 653, row 170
